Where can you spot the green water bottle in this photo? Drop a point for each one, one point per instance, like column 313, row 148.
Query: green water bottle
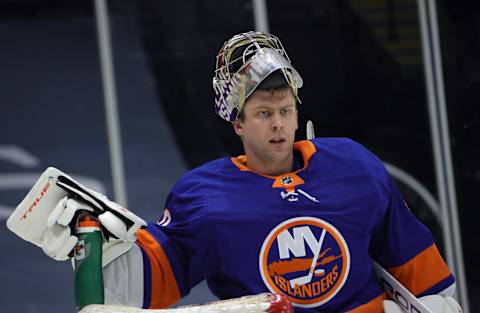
column 88, row 263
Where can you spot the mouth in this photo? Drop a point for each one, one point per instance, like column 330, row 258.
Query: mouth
column 277, row 140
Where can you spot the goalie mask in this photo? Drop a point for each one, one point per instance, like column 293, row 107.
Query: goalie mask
column 243, row 65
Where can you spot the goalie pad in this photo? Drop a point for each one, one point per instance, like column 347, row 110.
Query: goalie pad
column 127, row 288
column 42, row 213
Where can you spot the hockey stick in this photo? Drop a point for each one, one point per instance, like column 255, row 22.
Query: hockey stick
column 398, row 293
column 302, row 280
column 270, row 303
column 310, row 130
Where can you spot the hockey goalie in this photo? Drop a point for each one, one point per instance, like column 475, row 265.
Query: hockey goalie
column 312, row 222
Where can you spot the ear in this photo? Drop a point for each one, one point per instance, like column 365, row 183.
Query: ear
column 238, row 127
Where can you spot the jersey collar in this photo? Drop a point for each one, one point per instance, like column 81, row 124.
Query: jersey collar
column 287, row 180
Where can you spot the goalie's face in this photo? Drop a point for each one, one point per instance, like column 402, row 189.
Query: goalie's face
column 267, row 128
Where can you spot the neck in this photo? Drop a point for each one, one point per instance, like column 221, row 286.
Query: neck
column 271, row 168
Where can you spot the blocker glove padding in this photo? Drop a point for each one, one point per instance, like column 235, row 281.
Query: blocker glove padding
column 47, row 216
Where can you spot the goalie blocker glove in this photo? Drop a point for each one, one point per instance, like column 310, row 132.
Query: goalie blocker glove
column 46, row 217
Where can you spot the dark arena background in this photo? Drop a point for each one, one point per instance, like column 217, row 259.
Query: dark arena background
column 399, row 76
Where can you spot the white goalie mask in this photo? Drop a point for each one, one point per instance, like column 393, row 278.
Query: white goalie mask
column 243, row 63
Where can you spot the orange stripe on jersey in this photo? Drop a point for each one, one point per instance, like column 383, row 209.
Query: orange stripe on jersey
column 292, row 179
column 423, row 271
column 286, row 180
column 373, row 306
column 241, row 162
column 307, row 148
column 164, row 286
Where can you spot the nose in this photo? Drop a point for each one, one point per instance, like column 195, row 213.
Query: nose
column 276, row 121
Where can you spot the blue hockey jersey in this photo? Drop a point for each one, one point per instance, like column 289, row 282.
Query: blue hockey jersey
column 310, row 234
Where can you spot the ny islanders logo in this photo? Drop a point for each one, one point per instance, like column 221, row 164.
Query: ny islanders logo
column 306, row 259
